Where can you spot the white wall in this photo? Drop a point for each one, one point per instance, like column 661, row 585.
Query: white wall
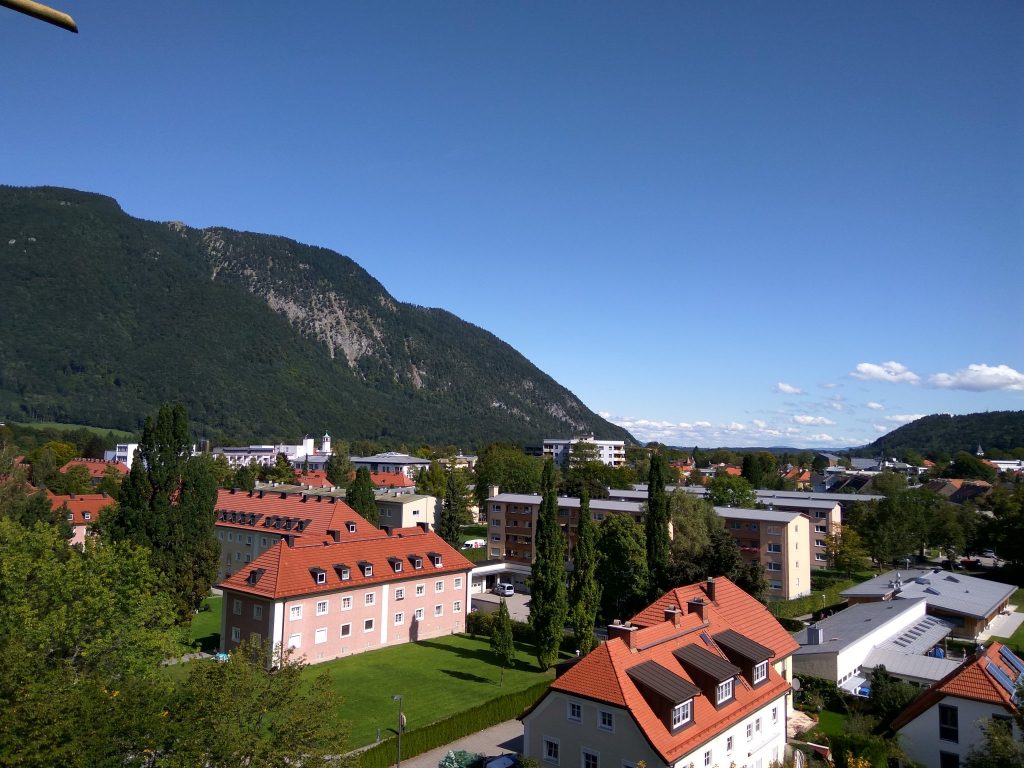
column 920, row 737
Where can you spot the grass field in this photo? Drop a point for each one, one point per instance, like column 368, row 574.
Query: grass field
column 829, row 724
column 206, row 625
column 435, row 678
column 56, row 425
column 473, row 532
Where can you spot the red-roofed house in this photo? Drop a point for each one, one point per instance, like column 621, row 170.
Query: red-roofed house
column 84, row 510
column 348, row 593
column 96, row 468
column 315, row 478
column 701, row 677
column 391, row 481
column 941, row 726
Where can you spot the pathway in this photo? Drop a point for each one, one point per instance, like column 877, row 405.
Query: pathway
column 503, row 738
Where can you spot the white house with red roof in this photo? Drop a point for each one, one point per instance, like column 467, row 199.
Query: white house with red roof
column 943, row 725
column 353, row 589
column 700, row 677
column 83, row 511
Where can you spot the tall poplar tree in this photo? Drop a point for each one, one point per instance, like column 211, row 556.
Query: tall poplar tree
column 584, row 592
column 361, row 498
column 166, row 504
column 656, row 524
column 548, row 601
column 502, row 642
column 452, row 511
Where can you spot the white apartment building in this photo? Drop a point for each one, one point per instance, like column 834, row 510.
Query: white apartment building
column 610, row 452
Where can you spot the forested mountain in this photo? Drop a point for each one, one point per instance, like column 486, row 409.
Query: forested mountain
column 942, row 433
column 106, row 316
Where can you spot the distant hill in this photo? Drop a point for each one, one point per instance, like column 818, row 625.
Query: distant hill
column 942, row 433
column 105, row 316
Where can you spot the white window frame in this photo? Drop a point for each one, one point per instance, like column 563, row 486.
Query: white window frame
column 236, row 607
column 609, row 726
column 682, row 713
column 724, row 691
column 421, row 589
column 399, row 619
column 320, row 635
column 439, row 586
column 295, row 613
column 418, row 615
column 236, row 635
column 370, row 598
column 760, row 672
column 586, row 752
column 321, row 607
column 257, row 612
column 552, row 750
column 346, row 603
column 400, row 593
column 346, row 630
column 295, row 640
column 438, row 610
column 574, row 711
column 368, row 625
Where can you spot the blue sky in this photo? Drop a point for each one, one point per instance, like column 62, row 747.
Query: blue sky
column 717, row 223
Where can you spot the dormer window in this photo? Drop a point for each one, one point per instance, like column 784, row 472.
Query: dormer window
column 343, row 571
column 436, row 559
column 87, row 515
column 417, row 563
column 367, row 569
column 724, row 692
column 319, row 575
column 682, row 714
column 396, row 564
column 351, row 527
column 760, row 673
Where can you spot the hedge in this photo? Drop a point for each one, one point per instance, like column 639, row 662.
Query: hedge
column 480, row 625
column 456, row 726
column 801, row 606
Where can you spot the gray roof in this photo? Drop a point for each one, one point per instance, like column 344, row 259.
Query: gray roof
column 570, row 502
column 864, row 463
column 759, row 515
column 667, row 684
column 949, row 591
column 920, row 638
column 389, row 458
column 848, row 626
column 762, row 494
column 909, row 665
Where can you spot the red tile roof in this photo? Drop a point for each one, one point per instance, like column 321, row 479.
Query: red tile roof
column 391, row 480
column 971, row 680
column 315, row 478
column 324, row 513
column 603, row 674
column 287, row 571
column 80, row 503
column 96, row 467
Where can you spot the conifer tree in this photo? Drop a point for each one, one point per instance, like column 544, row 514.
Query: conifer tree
column 584, row 592
column 361, row 498
column 656, row 524
column 453, row 510
column 339, row 466
column 548, row 601
column 501, row 639
column 166, row 504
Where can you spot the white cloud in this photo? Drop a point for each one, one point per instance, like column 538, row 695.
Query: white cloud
column 875, row 406
column 788, row 389
column 904, row 418
column 828, row 385
column 979, row 377
column 702, row 424
column 821, row 438
column 893, row 372
column 734, row 427
column 817, row 421
column 881, row 427
column 759, row 424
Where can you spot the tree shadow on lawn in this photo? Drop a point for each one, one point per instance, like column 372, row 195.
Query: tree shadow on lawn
column 467, row 676
column 210, row 643
column 480, row 654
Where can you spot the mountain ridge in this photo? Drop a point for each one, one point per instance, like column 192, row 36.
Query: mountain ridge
column 122, row 298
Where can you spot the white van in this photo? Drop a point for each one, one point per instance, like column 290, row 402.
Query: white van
column 474, row 544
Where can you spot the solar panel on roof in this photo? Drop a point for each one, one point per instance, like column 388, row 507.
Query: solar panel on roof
column 1010, row 658
column 1002, row 678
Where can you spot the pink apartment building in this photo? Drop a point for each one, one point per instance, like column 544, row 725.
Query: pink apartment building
column 348, row 592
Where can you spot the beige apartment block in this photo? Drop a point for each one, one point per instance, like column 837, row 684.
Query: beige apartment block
column 404, row 510
column 780, row 541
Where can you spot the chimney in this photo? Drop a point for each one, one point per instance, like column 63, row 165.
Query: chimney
column 304, row 497
column 493, row 490
column 710, row 588
column 261, row 494
column 289, row 540
column 625, row 631
column 335, row 534
column 673, row 615
column 814, row 635
column 698, row 606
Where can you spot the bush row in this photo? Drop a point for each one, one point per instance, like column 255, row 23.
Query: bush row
column 456, row 726
column 790, row 609
column 481, row 624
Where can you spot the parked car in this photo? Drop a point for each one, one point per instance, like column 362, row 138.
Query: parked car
column 951, row 565
column 474, row 544
column 505, row 590
column 968, row 562
column 989, row 553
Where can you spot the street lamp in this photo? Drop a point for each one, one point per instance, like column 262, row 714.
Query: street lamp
column 401, row 727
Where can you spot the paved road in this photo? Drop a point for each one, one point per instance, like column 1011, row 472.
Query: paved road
column 497, row 740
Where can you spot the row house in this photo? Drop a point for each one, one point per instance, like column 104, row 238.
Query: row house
column 512, row 519
column 780, row 541
column 699, row 678
column 347, row 593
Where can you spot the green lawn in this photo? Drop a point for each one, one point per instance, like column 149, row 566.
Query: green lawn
column 473, row 532
column 56, row 425
column 829, row 724
column 436, row 678
column 206, row 625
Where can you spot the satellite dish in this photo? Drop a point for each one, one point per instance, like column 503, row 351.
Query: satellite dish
column 796, row 683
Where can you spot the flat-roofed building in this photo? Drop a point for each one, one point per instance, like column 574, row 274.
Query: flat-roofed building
column 780, row 541
column 404, row 510
column 610, row 452
column 401, row 463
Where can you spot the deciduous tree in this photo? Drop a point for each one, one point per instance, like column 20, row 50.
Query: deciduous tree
column 731, row 491
column 622, row 567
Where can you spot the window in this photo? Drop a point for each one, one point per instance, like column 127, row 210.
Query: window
column 263, row 541
column 231, row 536
column 551, row 751
column 346, row 630
column 820, row 529
column 398, row 566
column 369, row 598
column 400, row 593
column 724, row 692
column 220, row 534
column 248, row 558
column 439, row 610
column 420, row 590
column 707, row 757
column 399, row 619
column 419, row 614
column 774, row 547
column 949, row 760
column 820, row 557
column 295, row 641
column 439, row 586
column 760, row 672
column 949, row 729
column 773, row 530
column 248, row 539
column 457, row 606
column 819, row 542
column 773, row 566
column 590, row 759
column 238, row 556
column 495, row 522
column 457, row 583
column 321, row 607
column 257, row 611
column 367, row 570
column 757, row 725
column 321, row 577
column 236, row 607
column 236, row 634
column 346, row 603
column 775, row 714
column 417, row 563
column 495, row 537
column 775, row 585
column 729, row 744
column 750, row 731
column 682, row 713
column 295, row 612
column 575, row 711
column 368, row 625
column 320, row 636
column 606, row 721
column 346, row 574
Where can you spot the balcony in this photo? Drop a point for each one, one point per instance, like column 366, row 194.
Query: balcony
column 750, row 550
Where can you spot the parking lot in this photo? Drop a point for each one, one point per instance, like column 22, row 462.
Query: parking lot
column 518, row 605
